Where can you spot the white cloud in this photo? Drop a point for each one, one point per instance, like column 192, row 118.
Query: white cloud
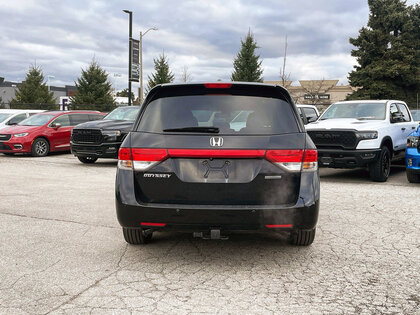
column 63, row 36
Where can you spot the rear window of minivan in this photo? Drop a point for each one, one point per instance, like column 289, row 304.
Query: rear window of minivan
column 232, row 114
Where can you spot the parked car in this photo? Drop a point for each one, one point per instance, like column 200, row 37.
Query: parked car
column 10, row 117
column 412, row 156
column 308, row 113
column 362, row 133
column 102, row 139
column 177, row 173
column 416, row 114
column 43, row 133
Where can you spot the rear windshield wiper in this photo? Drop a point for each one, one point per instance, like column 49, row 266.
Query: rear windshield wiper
column 194, row 129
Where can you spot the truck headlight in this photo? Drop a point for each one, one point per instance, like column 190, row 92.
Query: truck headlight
column 367, row 135
column 412, row 142
column 18, row 135
column 111, row 135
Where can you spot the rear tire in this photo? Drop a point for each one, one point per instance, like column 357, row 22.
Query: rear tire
column 40, row 147
column 413, row 178
column 137, row 236
column 302, row 237
column 380, row 169
column 9, row 154
column 87, row 159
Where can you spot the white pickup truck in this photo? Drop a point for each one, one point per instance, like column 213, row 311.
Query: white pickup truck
column 362, row 133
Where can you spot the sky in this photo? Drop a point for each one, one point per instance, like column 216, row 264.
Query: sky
column 62, row 37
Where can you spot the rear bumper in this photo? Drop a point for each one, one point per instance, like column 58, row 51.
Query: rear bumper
column 204, row 219
column 335, row 158
column 302, row 215
column 103, row 150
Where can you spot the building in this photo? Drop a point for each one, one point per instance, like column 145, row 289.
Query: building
column 321, row 93
column 8, row 89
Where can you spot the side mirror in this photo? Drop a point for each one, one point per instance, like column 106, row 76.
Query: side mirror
column 312, row 119
column 11, row 123
column 56, row 126
column 395, row 117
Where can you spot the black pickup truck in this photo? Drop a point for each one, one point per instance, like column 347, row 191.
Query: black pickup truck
column 102, row 138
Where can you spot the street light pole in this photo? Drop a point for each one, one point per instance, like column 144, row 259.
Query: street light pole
column 48, row 81
column 130, row 35
column 141, row 61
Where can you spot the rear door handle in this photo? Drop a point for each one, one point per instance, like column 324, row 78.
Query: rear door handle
column 403, row 128
column 413, row 127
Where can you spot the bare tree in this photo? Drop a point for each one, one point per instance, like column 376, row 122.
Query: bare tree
column 283, row 75
column 314, row 89
column 297, row 96
column 186, row 75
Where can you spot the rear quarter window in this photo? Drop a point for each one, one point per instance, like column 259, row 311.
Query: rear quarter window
column 76, row 119
column 95, row 117
column 232, row 114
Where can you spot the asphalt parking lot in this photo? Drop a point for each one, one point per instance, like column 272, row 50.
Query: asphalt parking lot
column 62, row 251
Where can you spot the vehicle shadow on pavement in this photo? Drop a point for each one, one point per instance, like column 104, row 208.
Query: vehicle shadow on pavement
column 355, row 175
column 28, row 155
column 241, row 249
column 100, row 164
column 233, row 238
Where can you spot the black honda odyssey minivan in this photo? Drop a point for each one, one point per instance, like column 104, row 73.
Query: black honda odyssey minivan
column 218, row 157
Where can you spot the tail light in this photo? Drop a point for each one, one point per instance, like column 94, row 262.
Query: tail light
column 413, row 142
column 294, row 160
column 290, row 160
column 310, row 160
column 140, row 159
column 124, row 159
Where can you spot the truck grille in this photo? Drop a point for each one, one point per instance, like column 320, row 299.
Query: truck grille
column 334, row 138
column 86, row 136
column 5, row 137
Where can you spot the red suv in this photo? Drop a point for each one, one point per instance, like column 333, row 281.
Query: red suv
column 44, row 133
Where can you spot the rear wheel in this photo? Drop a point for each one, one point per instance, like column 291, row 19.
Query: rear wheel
column 380, row 169
column 40, row 147
column 137, row 236
column 87, row 159
column 302, row 237
column 413, row 178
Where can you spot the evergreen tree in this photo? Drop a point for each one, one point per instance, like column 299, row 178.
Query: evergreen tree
column 388, row 53
column 93, row 89
column 33, row 90
column 124, row 93
column 162, row 73
column 247, row 66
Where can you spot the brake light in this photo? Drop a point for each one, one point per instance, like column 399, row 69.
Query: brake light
column 218, row 85
column 310, row 160
column 140, row 159
column 152, row 155
column 144, row 159
column 294, row 160
column 125, row 159
column 291, row 160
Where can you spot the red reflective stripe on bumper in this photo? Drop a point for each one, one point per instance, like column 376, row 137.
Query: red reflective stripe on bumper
column 273, row 226
column 152, row 224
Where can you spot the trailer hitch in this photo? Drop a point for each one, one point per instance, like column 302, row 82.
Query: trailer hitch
column 213, row 235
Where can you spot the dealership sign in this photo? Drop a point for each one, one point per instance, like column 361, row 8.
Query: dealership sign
column 135, row 60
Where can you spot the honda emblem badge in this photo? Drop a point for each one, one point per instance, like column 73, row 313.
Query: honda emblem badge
column 216, row 141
